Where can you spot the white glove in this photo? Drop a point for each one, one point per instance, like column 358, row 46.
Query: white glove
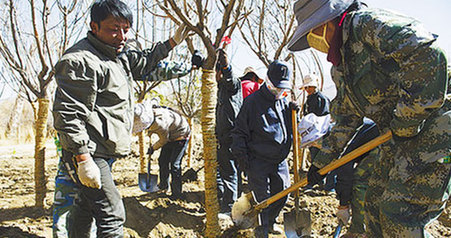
column 180, row 34
column 343, row 214
column 89, row 174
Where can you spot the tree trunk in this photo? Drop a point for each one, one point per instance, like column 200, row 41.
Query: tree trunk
column 209, row 154
column 39, row 153
column 190, row 143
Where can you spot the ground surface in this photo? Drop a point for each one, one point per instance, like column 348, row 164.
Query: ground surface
column 148, row 215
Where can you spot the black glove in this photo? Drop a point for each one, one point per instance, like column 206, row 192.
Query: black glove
column 243, row 163
column 197, row 59
column 313, row 176
column 293, row 106
column 223, row 59
column 150, row 151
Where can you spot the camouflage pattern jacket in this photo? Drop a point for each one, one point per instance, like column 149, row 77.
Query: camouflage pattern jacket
column 392, row 71
column 93, row 111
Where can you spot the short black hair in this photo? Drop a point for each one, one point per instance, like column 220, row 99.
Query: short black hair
column 101, row 9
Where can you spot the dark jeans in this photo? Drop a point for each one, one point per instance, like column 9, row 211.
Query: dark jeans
column 170, row 161
column 104, row 205
column 227, row 179
column 267, row 179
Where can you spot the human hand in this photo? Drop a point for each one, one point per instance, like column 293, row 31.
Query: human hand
column 89, row 173
column 313, row 177
column 197, row 60
column 180, row 34
column 343, row 214
column 293, row 106
column 223, row 59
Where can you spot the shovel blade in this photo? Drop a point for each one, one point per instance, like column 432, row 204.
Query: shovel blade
column 147, row 182
column 297, row 223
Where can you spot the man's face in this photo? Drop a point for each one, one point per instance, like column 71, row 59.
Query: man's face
column 310, row 89
column 112, row 31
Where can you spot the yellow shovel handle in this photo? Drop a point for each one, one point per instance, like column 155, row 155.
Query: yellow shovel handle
column 335, row 164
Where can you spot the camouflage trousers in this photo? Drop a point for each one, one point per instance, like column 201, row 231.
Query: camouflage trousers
column 359, row 187
column 411, row 181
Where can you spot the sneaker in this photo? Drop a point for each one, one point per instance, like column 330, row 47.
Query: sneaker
column 275, row 230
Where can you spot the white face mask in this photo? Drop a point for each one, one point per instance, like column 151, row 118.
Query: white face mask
column 278, row 92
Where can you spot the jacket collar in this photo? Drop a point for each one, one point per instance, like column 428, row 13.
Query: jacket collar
column 267, row 94
column 105, row 49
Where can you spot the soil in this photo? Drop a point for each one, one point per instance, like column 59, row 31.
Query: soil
column 148, row 215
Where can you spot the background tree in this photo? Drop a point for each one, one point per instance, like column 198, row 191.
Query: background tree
column 29, row 52
column 196, row 15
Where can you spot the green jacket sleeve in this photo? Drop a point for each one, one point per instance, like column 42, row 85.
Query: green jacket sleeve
column 72, row 105
column 167, row 71
column 421, row 66
column 144, row 62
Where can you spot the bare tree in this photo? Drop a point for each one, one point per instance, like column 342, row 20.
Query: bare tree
column 30, row 52
column 196, row 15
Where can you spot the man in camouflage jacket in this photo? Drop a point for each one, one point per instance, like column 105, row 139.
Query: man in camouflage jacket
column 387, row 67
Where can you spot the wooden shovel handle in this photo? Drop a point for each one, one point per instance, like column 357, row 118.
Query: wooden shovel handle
column 335, row 164
column 295, row 147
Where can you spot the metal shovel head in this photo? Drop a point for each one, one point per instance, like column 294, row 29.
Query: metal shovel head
column 148, row 182
column 241, row 215
column 297, row 223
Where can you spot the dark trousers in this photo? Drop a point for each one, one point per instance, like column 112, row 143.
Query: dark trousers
column 170, row 161
column 265, row 180
column 104, row 205
column 227, row 179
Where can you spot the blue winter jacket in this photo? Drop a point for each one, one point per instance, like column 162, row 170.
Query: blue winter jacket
column 263, row 128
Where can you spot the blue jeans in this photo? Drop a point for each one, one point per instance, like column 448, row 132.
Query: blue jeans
column 170, row 161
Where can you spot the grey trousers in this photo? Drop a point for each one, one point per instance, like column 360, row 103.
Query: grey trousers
column 104, row 205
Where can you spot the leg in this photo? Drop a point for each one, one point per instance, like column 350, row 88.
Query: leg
column 178, row 151
column 258, row 181
column 105, row 205
column 278, row 181
column 229, row 176
column 163, row 163
column 65, row 192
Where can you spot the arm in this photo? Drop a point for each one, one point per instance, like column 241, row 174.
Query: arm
column 160, row 126
column 241, row 134
column 74, row 101
column 346, row 125
column 167, row 70
column 228, row 81
column 404, row 42
column 144, row 62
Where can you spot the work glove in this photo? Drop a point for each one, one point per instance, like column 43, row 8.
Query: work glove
column 313, row 177
column 197, row 60
column 180, row 34
column 243, row 163
column 223, row 59
column 343, row 214
column 89, row 174
column 150, row 151
column 293, row 106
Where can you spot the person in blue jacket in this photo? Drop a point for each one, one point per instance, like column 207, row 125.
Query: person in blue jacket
column 262, row 139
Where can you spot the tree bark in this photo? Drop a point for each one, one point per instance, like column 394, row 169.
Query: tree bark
column 39, row 154
column 209, row 90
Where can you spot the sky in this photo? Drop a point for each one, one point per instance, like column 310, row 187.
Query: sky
column 434, row 14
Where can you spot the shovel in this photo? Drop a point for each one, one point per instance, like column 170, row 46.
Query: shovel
column 296, row 222
column 246, row 218
column 147, row 182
